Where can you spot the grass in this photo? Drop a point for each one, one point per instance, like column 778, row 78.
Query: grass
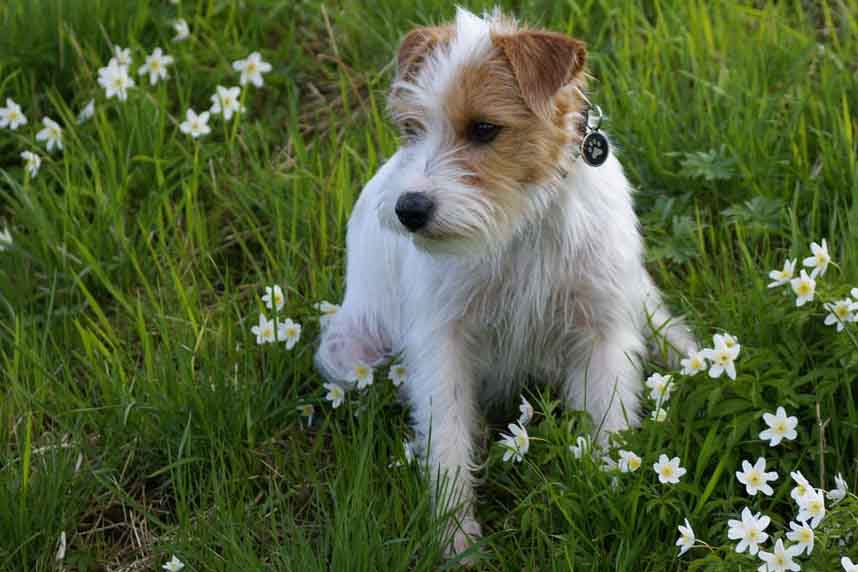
column 138, row 415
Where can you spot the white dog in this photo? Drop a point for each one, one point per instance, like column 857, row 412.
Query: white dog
column 487, row 250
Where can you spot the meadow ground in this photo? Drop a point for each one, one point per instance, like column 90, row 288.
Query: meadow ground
column 139, row 417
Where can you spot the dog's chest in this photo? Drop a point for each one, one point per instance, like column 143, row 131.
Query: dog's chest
column 524, row 316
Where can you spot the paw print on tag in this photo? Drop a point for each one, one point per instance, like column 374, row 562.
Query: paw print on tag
column 594, row 149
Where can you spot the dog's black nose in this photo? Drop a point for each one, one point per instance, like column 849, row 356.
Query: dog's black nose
column 414, row 210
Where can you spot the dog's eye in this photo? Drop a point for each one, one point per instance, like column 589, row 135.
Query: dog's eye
column 483, row 132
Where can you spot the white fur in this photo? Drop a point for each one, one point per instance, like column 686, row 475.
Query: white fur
column 479, row 302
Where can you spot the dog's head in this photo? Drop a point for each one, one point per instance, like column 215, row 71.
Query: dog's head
column 487, row 112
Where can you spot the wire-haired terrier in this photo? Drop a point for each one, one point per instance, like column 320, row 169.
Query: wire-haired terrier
column 494, row 246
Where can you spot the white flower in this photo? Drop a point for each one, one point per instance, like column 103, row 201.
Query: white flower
column 723, row 356
column 802, row 488
column 226, row 101
column 854, row 293
column 156, row 66
column 728, row 341
column 526, row 412
column 686, row 538
column 811, row 507
column 87, row 112
column 750, row 531
column 629, row 461
column 780, row 427
column 802, row 535
column 252, row 69
column 61, row 547
column 820, row 259
column 669, row 471
column 516, row 443
column 781, row 559
column 327, row 310
column 195, row 125
column 361, row 374
column 661, row 386
column 848, row 566
column 115, row 80
column 840, row 490
column 289, row 332
column 5, row 239
column 121, row 57
column 11, row 116
column 755, row 478
column 336, row 394
column 840, row 312
column 307, row 410
column 659, row 415
column 51, row 134
column 782, row 277
column 183, row 32
column 174, row 565
column 32, row 163
column 582, row 446
column 264, row 332
column 397, row 374
column 804, row 287
column 274, row 298
column 693, row 364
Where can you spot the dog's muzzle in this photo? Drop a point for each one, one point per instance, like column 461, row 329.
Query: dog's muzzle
column 414, row 210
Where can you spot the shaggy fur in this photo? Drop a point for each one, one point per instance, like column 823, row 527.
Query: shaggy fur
column 530, row 265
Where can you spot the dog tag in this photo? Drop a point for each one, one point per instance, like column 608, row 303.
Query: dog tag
column 595, row 149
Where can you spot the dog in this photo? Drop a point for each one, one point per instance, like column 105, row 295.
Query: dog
column 487, row 250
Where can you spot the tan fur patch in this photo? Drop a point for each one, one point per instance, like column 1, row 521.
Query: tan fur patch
column 528, row 148
column 416, row 45
column 543, row 62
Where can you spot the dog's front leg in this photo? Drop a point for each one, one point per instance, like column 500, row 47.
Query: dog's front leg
column 604, row 378
column 442, row 392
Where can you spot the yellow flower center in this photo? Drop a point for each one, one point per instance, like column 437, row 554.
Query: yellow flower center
column 805, row 535
column 729, row 343
column 361, row 371
column 667, row 471
column 251, row 67
column 804, row 289
column 814, row 506
column 520, row 441
column 753, row 534
column 696, row 363
column 291, row 332
column 634, row 463
column 754, row 478
column 780, row 427
column 841, row 311
column 821, row 258
column 722, row 358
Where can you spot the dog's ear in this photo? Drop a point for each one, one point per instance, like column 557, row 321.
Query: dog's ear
column 416, row 45
column 543, row 62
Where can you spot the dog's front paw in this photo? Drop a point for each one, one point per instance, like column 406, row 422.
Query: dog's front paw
column 466, row 533
column 339, row 352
